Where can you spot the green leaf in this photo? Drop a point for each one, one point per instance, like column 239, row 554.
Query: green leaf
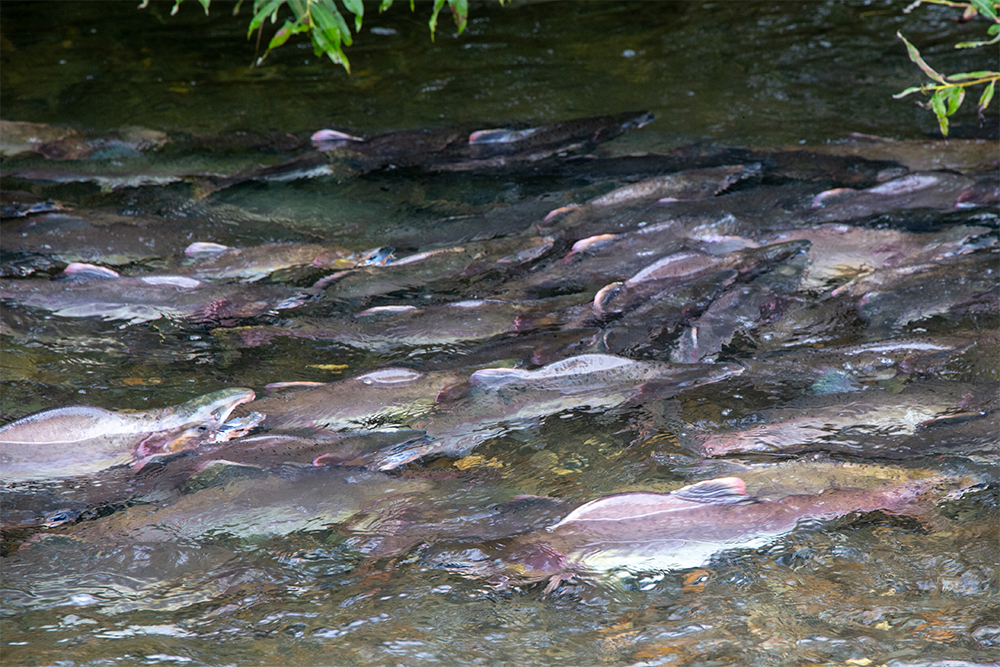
column 284, row 33
column 433, row 23
column 268, row 8
column 972, row 45
column 987, row 96
column 965, row 76
column 938, row 105
column 326, row 30
column 386, row 4
column 908, row 91
column 954, row 97
column 322, row 44
column 358, row 9
column 205, row 4
column 460, row 12
column 345, row 32
column 915, row 57
column 177, row 5
column 300, row 8
column 985, row 8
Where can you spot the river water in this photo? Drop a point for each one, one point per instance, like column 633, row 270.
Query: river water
column 870, row 589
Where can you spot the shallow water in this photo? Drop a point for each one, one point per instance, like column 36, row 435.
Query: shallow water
column 869, row 589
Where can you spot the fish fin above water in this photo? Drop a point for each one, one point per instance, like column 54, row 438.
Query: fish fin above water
column 390, row 376
column 500, row 136
column 385, row 311
column 722, row 491
column 80, row 272
column 202, row 249
column 327, row 136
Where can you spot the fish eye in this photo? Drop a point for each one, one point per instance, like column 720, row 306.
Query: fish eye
column 202, row 428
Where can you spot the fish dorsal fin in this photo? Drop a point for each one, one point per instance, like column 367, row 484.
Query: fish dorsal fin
column 722, row 491
column 386, row 311
column 500, row 136
column 79, row 271
column 390, row 376
column 631, row 506
column 202, row 249
column 176, row 281
column 276, row 387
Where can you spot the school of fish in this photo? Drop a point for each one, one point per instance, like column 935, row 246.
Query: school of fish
column 852, row 294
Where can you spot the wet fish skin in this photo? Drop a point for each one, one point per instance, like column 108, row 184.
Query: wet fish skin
column 877, row 360
column 88, row 291
column 498, row 400
column 81, row 440
column 932, row 190
column 469, row 147
column 253, row 507
column 437, row 267
column 596, row 260
column 378, row 399
column 386, row 328
column 841, row 252
column 683, row 529
column 915, row 421
column 274, row 261
column 889, row 299
column 680, row 268
column 740, row 308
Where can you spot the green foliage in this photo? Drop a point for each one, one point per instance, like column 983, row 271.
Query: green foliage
column 324, row 21
column 948, row 91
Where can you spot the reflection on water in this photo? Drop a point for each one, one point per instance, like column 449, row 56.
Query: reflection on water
column 866, row 342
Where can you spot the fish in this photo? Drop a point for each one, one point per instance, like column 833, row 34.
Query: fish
column 18, row 204
column 840, row 253
column 937, row 190
column 651, row 330
column 595, row 260
column 277, row 262
column 925, row 418
column 685, row 266
column 385, row 328
column 82, row 440
column 251, row 504
column 686, row 528
column 135, row 170
column 866, row 362
column 497, row 400
column 739, row 308
column 378, row 399
column 87, row 290
column 471, row 148
column 687, row 185
column 888, row 299
column 960, row 155
column 436, row 268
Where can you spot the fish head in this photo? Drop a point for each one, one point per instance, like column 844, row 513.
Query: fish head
column 525, row 561
column 189, row 424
